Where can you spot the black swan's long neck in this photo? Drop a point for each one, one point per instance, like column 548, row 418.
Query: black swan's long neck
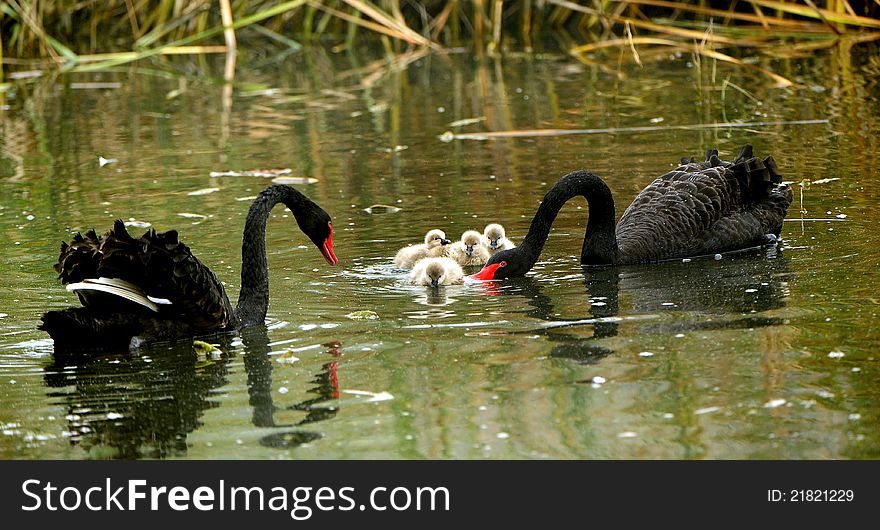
column 253, row 300
column 600, row 243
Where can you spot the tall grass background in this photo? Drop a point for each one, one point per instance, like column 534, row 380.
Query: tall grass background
column 90, row 34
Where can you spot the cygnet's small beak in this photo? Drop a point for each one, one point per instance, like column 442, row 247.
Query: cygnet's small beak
column 493, row 244
column 469, row 250
column 445, row 241
column 434, row 282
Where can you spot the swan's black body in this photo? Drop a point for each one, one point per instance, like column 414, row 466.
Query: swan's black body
column 194, row 301
column 698, row 208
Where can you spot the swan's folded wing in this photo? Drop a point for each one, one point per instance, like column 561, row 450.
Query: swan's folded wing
column 705, row 207
column 158, row 264
column 172, row 272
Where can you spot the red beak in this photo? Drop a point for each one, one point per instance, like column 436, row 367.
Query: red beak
column 327, row 249
column 487, row 273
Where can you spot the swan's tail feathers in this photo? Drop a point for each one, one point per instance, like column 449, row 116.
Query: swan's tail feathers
column 754, row 174
column 746, row 153
column 770, row 164
column 115, row 287
column 711, row 160
column 119, row 231
column 711, row 153
column 78, row 328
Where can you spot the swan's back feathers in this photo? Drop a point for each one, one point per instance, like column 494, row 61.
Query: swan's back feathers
column 159, row 264
column 704, row 208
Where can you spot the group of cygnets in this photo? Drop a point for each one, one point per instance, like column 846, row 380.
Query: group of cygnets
column 439, row 261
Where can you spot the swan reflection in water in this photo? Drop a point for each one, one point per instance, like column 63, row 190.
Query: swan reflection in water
column 144, row 404
column 258, row 365
column 699, row 294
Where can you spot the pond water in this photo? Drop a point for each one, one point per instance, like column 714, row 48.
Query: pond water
column 767, row 354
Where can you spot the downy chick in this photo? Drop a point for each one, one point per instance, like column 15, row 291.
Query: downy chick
column 495, row 239
column 434, row 246
column 436, row 271
column 469, row 251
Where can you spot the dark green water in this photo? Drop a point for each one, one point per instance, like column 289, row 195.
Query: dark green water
column 740, row 365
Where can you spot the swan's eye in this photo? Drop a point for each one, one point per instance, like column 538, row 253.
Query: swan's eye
column 503, row 264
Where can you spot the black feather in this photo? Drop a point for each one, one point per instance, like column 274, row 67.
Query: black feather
column 161, row 266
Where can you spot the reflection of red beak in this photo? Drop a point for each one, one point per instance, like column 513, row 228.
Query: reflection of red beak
column 487, row 273
column 332, row 369
column 327, row 248
column 489, row 288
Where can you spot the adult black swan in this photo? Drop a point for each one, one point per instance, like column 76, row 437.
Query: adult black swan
column 153, row 288
column 696, row 209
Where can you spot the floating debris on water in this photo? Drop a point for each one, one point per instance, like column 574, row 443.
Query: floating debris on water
column 114, row 416
column 205, row 348
column 137, row 224
column 447, row 137
column 686, row 260
column 372, row 396
column 502, row 435
column 598, row 380
column 835, row 355
column 646, row 354
column 204, row 191
column 268, row 173
column 396, row 148
column 773, row 403
column 104, row 161
column 706, row 410
column 717, row 257
column 192, row 215
column 381, row 208
column 363, row 315
column 626, row 434
column 96, row 85
column 467, row 121
column 283, row 390
column 287, row 357
column 855, row 416
column 825, row 181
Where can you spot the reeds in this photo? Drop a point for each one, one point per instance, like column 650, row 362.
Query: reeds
column 91, row 34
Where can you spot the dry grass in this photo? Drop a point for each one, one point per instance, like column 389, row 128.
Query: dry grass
column 99, row 34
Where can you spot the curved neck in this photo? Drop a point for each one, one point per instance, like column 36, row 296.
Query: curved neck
column 600, row 243
column 253, row 300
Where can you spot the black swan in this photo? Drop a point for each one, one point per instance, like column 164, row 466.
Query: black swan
column 696, row 209
column 153, row 288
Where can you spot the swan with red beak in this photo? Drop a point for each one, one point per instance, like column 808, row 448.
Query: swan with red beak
column 697, row 209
